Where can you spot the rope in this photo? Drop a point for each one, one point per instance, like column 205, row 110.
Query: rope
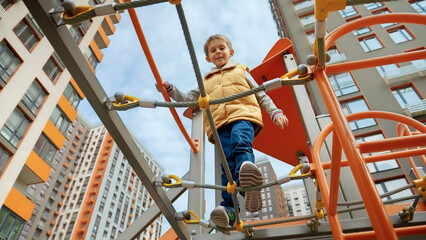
column 321, row 52
column 382, row 196
column 118, row 7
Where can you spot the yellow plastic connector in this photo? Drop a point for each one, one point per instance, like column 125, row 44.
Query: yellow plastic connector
column 297, row 168
column 420, row 182
column 178, row 182
column 231, row 188
column 319, row 213
column 323, row 7
column 175, row 2
column 128, row 99
column 319, row 204
column 80, row 11
column 203, row 102
column 196, row 218
column 239, row 227
column 289, row 75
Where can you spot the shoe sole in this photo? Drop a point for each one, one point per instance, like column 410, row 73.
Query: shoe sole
column 219, row 218
column 251, row 176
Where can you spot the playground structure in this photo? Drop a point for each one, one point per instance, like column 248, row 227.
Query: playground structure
column 410, row 221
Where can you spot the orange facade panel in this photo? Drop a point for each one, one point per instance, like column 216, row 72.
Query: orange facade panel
column 67, row 108
column 96, row 50
column 38, row 166
column 19, row 204
column 77, row 88
column 110, row 23
column 104, row 36
column 54, row 134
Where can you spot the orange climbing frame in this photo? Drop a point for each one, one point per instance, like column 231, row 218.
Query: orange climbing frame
column 343, row 137
column 156, row 73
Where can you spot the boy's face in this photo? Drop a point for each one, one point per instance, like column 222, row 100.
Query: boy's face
column 219, row 52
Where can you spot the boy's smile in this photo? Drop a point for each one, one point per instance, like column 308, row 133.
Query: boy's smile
column 219, row 52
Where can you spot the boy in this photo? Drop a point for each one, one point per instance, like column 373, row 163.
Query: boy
column 237, row 123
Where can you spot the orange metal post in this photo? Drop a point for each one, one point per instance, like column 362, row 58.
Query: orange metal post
column 373, row 203
column 156, row 73
column 402, row 231
column 335, row 225
column 392, row 143
column 336, row 158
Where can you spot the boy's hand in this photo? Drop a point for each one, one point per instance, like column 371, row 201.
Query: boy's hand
column 281, row 121
column 160, row 87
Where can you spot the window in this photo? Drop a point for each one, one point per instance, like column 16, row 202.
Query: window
column 52, row 69
column 400, row 35
column 377, row 166
column 25, row 32
column 77, row 32
column 45, row 149
column 406, row 95
column 10, row 224
column 387, row 70
column 15, row 127
column 5, row 3
column 370, row 43
column 348, row 12
column 91, row 57
column 4, row 158
column 361, row 31
column 60, row 120
column 303, row 4
column 343, row 84
column 355, row 106
column 306, row 20
column 384, row 11
column 387, row 186
column 371, row 6
column 71, row 94
column 9, row 62
column 34, row 97
column 419, row 5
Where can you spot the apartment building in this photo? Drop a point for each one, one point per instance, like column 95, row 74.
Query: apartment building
column 274, row 204
column 105, row 195
column 39, row 102
column 398, row 88
column 297, row 200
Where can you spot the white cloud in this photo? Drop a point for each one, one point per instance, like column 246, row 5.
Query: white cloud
column 249, row 25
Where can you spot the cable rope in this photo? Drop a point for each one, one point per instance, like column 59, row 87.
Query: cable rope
column 356, row 2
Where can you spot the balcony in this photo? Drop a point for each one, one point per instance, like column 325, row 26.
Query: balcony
column 404, row 74
column 35, row 170
column 337, row 58
column 305, row 7
column 416, row 109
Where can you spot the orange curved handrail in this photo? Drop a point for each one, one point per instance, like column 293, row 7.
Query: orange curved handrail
column 156, row 73
column 330, row 200
column 373, row 20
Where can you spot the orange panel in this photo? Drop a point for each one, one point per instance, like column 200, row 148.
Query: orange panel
column 103, row 36
column 77, row 88
column 280, row 144
column 38, row 166
column 110, row 23
column 54, row 134
column 67, row 108
column 19, row 204
column 96, row 50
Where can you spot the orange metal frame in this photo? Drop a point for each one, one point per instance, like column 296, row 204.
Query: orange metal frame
column 343, row 138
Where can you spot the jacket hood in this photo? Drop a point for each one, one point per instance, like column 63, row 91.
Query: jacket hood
column 230, row 64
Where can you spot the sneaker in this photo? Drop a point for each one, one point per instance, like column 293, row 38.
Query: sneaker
column 251, row 176
column 223, row 217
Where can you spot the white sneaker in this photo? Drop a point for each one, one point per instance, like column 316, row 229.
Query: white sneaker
column 222, row 217
column 251, row 176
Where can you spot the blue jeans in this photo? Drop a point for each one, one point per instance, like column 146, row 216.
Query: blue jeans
column 236, row 139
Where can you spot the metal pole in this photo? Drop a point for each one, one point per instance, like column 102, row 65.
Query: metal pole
column 77, row 65
column 196, row 201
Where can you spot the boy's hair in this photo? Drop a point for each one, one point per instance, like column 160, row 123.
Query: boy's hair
column 216, row 36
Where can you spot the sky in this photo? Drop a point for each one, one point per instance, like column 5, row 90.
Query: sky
column 250, row 27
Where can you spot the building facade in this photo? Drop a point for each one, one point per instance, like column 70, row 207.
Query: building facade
column 274, row 204
column 398, row 88
column 105, row 195
column 40, row 101
column 297, row 200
